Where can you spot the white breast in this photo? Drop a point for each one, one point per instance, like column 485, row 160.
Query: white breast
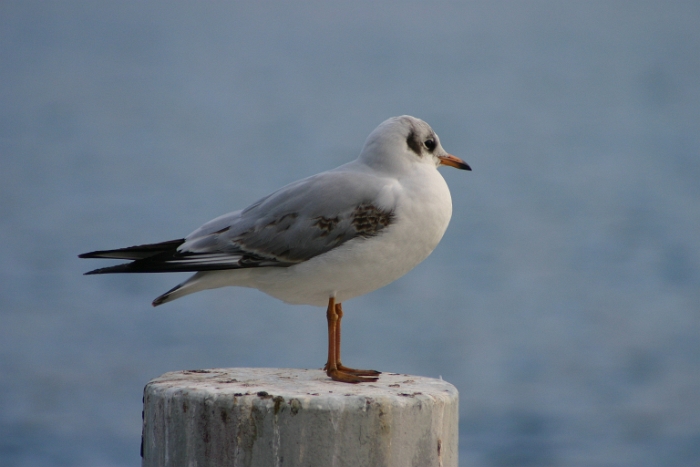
column 366, row 264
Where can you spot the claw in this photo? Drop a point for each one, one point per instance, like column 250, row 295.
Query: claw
column 343, row 377
column 353, row 371
column 356, row 372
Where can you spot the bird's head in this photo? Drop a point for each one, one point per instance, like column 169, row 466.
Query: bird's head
column 401, row 142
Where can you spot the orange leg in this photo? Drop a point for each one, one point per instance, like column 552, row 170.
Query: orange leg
column 341, row 367
column 333, row 367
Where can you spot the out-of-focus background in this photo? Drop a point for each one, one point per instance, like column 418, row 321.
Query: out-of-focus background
column 563, row 301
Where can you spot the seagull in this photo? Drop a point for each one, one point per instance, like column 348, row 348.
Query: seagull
column 322, row 240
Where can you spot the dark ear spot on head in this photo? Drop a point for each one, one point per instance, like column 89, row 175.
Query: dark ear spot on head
column 413, row 142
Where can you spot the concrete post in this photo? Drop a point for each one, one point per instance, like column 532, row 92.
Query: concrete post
column 262, row 417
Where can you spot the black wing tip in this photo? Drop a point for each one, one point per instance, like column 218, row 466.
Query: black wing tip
column 126, row 267
column 92, row 254
column 135, row 252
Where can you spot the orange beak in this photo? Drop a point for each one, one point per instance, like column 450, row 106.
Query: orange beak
column 453, row 161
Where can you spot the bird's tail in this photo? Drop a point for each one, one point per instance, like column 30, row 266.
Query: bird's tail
column 202, row 280
column 164, row 257
column 169, row 295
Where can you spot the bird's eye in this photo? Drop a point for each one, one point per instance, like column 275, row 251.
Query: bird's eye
column 430, row 144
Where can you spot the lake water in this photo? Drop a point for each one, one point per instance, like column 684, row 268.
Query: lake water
column 563, row 301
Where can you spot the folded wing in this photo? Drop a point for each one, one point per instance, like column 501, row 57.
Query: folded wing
column 292, row 225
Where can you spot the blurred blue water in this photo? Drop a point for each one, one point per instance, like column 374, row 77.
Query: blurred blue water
column 563, row 302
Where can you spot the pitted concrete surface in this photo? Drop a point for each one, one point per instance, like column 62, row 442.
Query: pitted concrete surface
column 291, row 417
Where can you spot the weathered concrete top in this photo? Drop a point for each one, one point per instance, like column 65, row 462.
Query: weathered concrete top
column 304, row 385
column 259, row 417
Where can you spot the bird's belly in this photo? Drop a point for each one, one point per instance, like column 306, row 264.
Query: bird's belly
column 358, row 266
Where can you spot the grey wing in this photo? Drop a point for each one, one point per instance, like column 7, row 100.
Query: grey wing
column 299, row 221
